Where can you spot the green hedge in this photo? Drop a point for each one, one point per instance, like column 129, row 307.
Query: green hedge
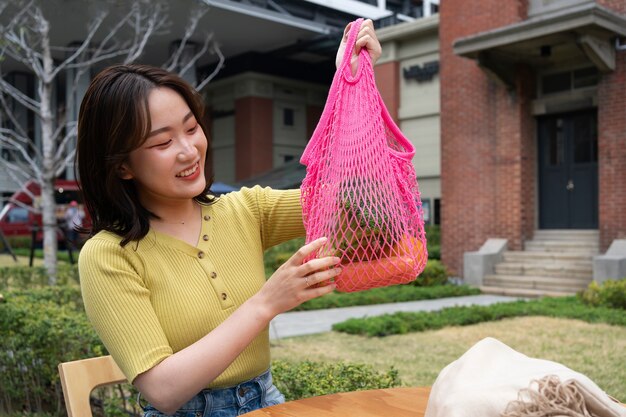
column 308, row 379
column 611, row 293
column 393, row 294
column 25, row 277
column 401, row 323
column 279, row 254
column 18, row 242
column 433, row 241
column 434, row 273
column 41, row 328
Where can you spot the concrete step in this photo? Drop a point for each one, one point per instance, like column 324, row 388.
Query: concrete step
column 546, row 269
column 568, row 235
column 546, row 257
column 555, row 284
column 521, row 292
column 591, row 248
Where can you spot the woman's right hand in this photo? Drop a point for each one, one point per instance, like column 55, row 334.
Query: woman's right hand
column 295, row 282
column 173, row 381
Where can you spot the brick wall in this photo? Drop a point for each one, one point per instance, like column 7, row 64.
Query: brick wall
column 612, row 154
column 388, row 84
column 612, row 146
column 253, row 136
column 487, row 139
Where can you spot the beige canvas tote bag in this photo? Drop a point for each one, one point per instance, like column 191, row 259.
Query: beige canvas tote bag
column 493, row 380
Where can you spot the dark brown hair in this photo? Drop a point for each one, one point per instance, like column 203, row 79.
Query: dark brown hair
column 114, row 120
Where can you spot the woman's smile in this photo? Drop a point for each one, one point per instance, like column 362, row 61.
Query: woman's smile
column 190, row 173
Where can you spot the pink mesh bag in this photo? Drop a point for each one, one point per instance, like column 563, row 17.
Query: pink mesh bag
column 360, row 189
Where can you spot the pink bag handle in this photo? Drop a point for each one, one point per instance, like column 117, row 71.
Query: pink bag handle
column 332, row 94
column 364, row 64
column 347, row 54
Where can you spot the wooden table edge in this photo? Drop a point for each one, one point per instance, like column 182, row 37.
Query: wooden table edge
column 417, row 397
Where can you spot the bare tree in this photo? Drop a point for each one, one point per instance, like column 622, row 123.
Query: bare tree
column 26, row 39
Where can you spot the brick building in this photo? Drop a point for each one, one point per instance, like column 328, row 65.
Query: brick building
column 533, row 122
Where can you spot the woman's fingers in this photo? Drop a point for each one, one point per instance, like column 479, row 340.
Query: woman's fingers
column 321, row 276
column 301, row 254
column 367, row 39
column 318, row 264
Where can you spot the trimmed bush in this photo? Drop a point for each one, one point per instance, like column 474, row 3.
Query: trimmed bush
column 17, row 242
column 433, row 274
column 45, row 326
column 611, row 293
column 308, row 379
column 433, row 241
column 277, row 255
column 26, row 277
column 401, row 323
column 393, row 294
column 41, row 328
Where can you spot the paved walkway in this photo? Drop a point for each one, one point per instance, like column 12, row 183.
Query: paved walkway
column 300, row 323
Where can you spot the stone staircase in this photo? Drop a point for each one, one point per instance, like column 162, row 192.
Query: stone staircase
column 554, row 263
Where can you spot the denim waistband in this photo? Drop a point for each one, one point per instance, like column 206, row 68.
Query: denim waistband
column 252, row 390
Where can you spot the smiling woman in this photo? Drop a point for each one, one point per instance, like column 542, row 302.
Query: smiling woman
column 172, row 277
column 166, row 169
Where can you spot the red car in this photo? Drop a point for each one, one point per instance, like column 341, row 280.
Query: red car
column 16, row 220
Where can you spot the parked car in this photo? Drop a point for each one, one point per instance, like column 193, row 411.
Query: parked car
column 17, row 220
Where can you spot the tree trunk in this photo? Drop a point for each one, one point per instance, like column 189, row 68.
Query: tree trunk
column 48, row 202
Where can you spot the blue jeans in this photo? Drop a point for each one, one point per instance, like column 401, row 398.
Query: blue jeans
column 248, row 396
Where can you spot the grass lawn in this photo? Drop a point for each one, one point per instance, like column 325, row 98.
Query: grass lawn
column 596, row 350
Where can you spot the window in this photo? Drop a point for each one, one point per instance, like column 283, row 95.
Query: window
column 569, row 80
column 426, row 210
column 288, row 117
column 585, row 77
column 556, row 83
column 17, row 215
column 437, row 219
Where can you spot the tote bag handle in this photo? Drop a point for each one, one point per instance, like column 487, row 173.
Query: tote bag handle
column 332, row 94
column 345, row 67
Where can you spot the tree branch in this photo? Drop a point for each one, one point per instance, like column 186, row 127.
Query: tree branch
column 143, row 33
column 196, row 15
column 26, row 101
column 220, row 64
column 66, row 139
column 21, row 148
column 93, row 28
column 11, row 117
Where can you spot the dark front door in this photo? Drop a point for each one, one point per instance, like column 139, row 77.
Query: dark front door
column 568, row 171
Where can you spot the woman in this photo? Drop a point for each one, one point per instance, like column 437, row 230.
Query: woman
column 173, row 278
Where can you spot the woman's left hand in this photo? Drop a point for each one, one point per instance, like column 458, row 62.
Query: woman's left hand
column 365, row 39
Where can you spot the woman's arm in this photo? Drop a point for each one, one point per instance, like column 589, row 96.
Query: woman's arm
column 180, row 376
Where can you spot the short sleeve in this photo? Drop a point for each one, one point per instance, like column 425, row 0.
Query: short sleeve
column 118, row 305
column 279, row 213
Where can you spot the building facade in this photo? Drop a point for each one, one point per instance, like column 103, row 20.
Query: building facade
column 264, row 103
column 533, row 121
column 407, row 76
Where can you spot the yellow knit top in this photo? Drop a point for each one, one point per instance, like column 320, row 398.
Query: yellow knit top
column 152, row 298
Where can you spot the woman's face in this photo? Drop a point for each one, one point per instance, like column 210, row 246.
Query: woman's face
column 169, row 166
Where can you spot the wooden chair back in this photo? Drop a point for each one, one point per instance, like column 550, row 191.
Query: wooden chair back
column 79, row 378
